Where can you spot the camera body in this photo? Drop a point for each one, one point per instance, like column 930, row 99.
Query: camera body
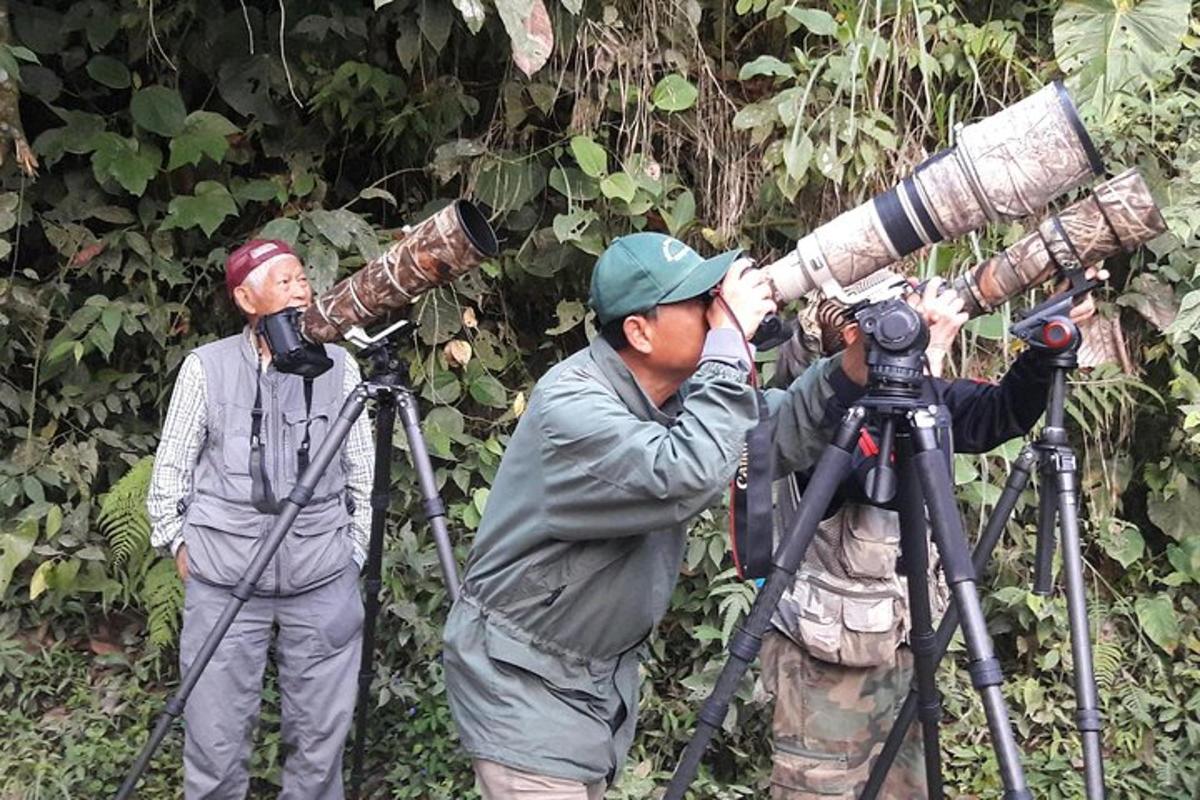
column 290, row 351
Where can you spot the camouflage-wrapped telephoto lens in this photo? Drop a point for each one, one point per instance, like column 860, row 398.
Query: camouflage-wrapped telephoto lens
column 1119, row 216
column 1006, row 166
column 452, row 242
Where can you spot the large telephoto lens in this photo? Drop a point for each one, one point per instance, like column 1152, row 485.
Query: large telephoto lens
column 1003, row 167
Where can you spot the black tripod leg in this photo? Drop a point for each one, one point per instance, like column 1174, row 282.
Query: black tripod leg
column 299, row 497
column 1018, row 479
column 746, row 641
column 385, row 420
column 1087, row 713
column 435, row 510
column 915, row 549
column 1043, row 559
column 986, row 675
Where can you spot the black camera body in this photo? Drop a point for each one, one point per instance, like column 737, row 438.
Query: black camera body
column 289, row 350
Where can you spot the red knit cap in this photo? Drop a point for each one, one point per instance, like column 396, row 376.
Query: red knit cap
column 241, row 262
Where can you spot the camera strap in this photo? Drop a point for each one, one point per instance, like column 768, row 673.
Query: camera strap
column 262, row 495
column 751, row 513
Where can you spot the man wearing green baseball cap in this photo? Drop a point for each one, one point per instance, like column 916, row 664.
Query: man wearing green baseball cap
column 585, row 528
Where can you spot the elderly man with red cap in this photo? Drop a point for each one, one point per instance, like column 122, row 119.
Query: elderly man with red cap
column 237, row 436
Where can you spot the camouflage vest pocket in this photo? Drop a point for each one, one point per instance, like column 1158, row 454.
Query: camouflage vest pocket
column 856, row 629
column 870, row 542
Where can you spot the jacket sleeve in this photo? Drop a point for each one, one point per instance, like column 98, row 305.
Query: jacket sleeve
column 985, row 415
column 808, row 412
column 609, row 473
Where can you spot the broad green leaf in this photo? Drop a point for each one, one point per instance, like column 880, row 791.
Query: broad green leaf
column 204, row 134
column 572, row 184
column 159, row 110
column 1159, row 621
column 257, row 191
column 408, row 46
column 1185, row 557
column 206, row 209
column 127, row 161
column 488, row 391
column 507, row 185
column 15, row 547
column 682, row 213
column 797, row 155
column 473, row 13
column 529, row 30
column 754, row 115
column 990, row 326
column 435, row 21
column 1123, row 543
column 1116, row 45
column 815, row 20
column 336, row 226
column 108, row 71
column 438, row 317
column 766, row 65
column 479, row 499
column 571, row 227
column 284, row 228
column 1177, row 515
column 674, row 93
column 40, row 580
column 570, row 314
column 619, row 185
column 590, row 156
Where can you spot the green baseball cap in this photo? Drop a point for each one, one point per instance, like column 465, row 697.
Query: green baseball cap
column 644, row 270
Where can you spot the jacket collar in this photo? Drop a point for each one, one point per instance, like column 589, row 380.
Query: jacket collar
column 616, row 372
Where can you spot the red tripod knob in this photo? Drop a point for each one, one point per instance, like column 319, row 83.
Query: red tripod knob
column 1058, row 333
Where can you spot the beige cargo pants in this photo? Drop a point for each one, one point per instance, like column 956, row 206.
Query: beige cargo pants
column 500, row 782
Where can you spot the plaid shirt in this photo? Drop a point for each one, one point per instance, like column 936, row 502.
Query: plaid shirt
column 185, row 431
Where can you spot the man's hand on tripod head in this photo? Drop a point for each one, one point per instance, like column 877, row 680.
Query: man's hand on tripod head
column 1085, row 306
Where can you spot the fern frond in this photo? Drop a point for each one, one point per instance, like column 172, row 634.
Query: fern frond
column 162, row 596
column 123, row 518
column 1107, row 659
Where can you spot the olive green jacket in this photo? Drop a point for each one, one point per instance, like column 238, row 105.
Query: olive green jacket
column 581, row 544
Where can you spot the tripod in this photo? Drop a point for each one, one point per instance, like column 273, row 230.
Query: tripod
column 388, row 388
column 1048, row 329
column 896, row 337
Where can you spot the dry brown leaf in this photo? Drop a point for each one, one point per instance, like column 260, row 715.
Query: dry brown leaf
column 458, row 353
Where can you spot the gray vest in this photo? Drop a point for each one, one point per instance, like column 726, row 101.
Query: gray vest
column 222, row 528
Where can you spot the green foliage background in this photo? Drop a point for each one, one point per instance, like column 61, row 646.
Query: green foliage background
column 169, row 132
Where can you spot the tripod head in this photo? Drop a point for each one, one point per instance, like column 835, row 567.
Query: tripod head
column 896, row 339
column 1047, row 327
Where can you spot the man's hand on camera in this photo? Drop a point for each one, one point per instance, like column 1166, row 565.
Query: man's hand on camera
column 943, row 313
column 181, row 562
column 747, row 295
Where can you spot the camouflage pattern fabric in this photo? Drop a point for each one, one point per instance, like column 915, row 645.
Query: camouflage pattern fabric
column 1005, row 166
column 433, row 253
column 830, row 724
column 1119, row 215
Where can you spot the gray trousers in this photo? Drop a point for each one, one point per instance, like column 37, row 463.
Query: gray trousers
column 317, row 653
